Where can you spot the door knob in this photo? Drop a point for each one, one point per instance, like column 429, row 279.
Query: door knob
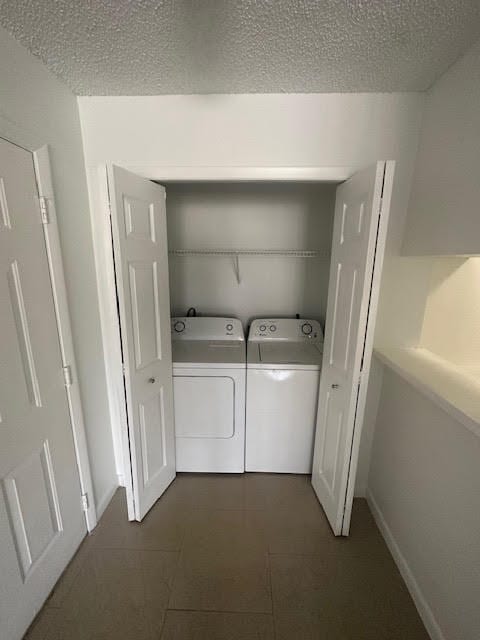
column 335, row 386
column 151, row 380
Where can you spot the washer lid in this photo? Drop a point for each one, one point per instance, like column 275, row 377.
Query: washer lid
column 208, row 354
column 284, row 355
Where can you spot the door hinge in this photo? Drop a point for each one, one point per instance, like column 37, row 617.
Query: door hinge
column 67, row 375
column 85, row 503
column 44, row 210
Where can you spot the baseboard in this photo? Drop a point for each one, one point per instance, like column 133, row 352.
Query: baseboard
column 419, row 599
column 105, row 501
column 360, row 491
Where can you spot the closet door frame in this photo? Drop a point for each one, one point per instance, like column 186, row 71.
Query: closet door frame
column 39, row 148
column 104, row 259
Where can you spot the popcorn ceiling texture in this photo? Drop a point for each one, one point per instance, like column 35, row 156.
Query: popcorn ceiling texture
column 151, row 47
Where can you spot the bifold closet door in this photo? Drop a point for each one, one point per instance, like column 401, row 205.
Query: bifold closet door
column 361, row 217
column 41, row 517
column 141, row 270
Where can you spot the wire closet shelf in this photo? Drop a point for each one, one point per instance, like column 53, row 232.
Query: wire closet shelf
column 236, row 254
column 293, row 253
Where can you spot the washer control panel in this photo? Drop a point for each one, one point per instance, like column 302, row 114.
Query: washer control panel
column 286, row 329
column 203, row 328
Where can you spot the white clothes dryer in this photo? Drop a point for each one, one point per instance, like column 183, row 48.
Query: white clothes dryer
column 284, row 359
column 209, row 394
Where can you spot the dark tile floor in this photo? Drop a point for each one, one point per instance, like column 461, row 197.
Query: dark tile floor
column 244, row 557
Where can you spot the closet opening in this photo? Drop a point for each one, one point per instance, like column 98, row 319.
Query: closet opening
column 201, row 267
column 281, row 233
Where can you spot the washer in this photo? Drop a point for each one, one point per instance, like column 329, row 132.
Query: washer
column 284, row 359
column 209, row 394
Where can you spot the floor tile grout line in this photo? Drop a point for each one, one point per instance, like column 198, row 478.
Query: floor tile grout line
column 270, row 580
column 82, row 563
column 174, row 579
column 297, row 554
column 189, row 610
column 273, row 609
column 138, row 549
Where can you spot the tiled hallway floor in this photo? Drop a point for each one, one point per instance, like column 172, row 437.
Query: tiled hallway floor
column 230, row 558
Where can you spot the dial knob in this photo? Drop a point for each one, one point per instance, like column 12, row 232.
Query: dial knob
column 273, row 327
column 307, row 328
column 263, row 328
column 179, row 326
column 229, row 327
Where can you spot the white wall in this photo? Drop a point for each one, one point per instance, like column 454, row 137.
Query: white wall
column 250, row 130
column 36, row 109
column 443, row 210
column 446, row 183
column 250, row 216
column 425, row 482
column 451, row 326
column 424, row 475
column 217, row 131
column 405, row 287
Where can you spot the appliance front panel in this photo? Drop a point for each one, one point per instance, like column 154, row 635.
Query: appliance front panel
column 204, row 406
column 281, row 413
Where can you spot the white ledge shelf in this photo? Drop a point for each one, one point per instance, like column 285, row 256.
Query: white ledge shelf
column 447, row 385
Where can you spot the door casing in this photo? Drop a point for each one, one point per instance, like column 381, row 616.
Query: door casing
column 98, row 190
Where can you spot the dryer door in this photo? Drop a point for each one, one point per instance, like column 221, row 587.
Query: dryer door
column 209, row 407
column 204, row 406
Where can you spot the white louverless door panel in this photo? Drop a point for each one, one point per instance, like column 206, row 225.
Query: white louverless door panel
column 41, row 518
column 141, row 267
column 354, row 246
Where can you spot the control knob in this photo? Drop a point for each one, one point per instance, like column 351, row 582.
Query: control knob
column 307, row 328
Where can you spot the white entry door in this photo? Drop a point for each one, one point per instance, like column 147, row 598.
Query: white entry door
column 141, row 268
column 41, row 518
column 361, row 216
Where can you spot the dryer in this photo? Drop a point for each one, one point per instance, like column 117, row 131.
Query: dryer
column 209, row 363
column 284, row 359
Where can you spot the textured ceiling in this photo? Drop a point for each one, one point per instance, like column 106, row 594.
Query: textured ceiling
column 142, row 47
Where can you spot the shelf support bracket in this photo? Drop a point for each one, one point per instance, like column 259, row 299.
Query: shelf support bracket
column 236, row 267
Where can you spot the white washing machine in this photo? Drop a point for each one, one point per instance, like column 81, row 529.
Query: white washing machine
column 284, row 359
column 209, row 394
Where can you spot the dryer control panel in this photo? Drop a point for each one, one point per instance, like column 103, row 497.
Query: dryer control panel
column 286, row 329
column 203, row 328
